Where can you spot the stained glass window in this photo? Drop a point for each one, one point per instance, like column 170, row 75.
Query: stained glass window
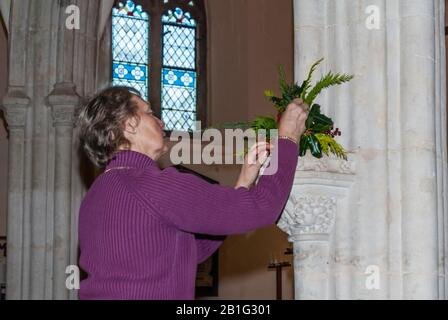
column 179, row 71
column 130, row 44
column 162, row 61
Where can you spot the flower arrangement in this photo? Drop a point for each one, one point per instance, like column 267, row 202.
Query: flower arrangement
column 319, row 135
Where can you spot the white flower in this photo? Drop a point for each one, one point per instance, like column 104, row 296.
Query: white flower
column 186, row 79
column 138, row 73
column 121, row 71
column 171, row 77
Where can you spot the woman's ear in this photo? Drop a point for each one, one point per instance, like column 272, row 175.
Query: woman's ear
column 130, row 126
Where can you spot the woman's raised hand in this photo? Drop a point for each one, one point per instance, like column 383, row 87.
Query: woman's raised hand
column 292, row 123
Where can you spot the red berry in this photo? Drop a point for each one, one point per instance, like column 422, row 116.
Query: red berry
column 279, row 116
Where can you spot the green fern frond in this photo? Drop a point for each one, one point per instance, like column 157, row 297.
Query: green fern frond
column 338, row 150
column 236, row 125
column 324, row 141
column 306, row 85
column 328, row 145
column 269, row 94
column 282, row 78
column 330, row 79
column 266, row 123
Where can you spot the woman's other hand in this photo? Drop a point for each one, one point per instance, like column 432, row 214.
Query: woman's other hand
column 253, row 161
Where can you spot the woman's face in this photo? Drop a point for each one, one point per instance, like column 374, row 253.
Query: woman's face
column 146, row 136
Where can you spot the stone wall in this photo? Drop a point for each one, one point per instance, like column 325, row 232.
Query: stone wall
column 374, row 227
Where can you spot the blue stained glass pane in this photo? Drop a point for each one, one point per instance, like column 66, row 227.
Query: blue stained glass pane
column 181, row 121
column 179, row 99
column 178, row 16
column 179, row 78
column 130, row 10
column 130, row 46
column 129, row 71
column 130, row 39
column 140, row 86
column 179, row 47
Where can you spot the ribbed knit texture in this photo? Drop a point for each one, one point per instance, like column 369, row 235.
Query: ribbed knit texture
column 141, row 230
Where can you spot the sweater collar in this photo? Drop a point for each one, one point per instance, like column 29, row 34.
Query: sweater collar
column 131, row 159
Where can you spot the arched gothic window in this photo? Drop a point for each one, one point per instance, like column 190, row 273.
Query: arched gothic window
column 159, row 47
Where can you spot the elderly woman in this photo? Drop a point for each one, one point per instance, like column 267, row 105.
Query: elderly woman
column 143, row 230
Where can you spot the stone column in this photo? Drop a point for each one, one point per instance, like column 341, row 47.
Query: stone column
column 51, row 68
column 320, row 190
column 15, row 107
column 63, row 101
column 388, row 241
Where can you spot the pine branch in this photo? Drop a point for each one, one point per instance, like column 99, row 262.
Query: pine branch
column 330, row 79
column 282, row 76
column 235, row 125
column 328, row 144
column 306, row 85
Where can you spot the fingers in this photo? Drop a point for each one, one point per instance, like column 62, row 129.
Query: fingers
column 298, row 103
column 304, row 107
column 258, row 151
column 304, row 114
column 262, row 158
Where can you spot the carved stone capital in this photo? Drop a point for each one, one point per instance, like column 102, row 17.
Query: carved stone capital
column 327, row 164
column 15, row 106
column 307, row 215
column 63, row 101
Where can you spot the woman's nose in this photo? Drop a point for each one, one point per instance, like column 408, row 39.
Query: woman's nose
column 161, row 123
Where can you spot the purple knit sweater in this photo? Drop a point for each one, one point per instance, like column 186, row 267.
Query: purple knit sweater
column 140, row 228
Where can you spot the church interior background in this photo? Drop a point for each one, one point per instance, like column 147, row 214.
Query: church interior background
column 372, row 227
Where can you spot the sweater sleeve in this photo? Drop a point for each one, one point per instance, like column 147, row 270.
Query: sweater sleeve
column 207, row 245
column 193, row 205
